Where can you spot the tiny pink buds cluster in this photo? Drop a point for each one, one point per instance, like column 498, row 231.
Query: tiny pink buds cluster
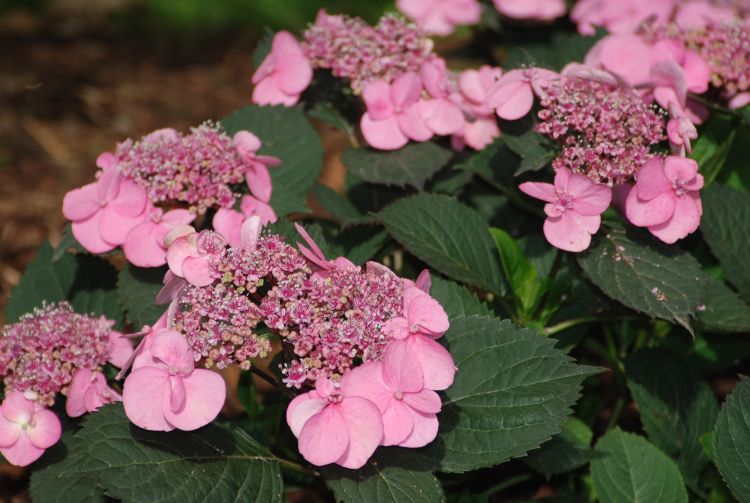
column 49, row 351
column 127, row 204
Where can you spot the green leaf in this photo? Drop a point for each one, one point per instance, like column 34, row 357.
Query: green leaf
column 535, row 150
column 263, row 48
column 215, row 463
column 566, row 451
column 554, row 51
column 520, row 273
column 384, row 478
column 68, row 242
column 136, row 292
column 732, row 441
column 286, row 134
column 512, row 392
column 410, row 166
column 448, row 236
column 44, row 280
column 457, row 300
column 626, row 468
column 726, row 227
column 52, row 477
column 659, row 281
column 713, row 145
column 724, row 310
column 340, row 208
column 676, row 407
column 359, row 243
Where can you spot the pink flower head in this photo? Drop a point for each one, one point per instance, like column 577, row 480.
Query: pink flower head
column 666, row 198
column 191, row 253
column 26, row 429
column 618, row 16
column 105, row 211
column 88, row 391
column 333, row 425
column 144, row 244
column 440, row 114
column 119, row 349
column 574, row 207
column 513, row 95
column 396, row 386
column 169, row 392
column 440, row 17
column 393, row 113
column 539, row 10
column 258, row 178
column 284, row 74
column 700, row 13
column 229, row 222
column 423, row 321
column 315, row 255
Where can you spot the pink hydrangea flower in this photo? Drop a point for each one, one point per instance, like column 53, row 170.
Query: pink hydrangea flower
column 144, row 244
column 191, row 253
column 169, row 392
column 396, row 386
column 333, row 425
column 440, row 17
column 574, row 207
column 540, row 10
column 87, row 392
column 440, row 114
column 423, row 321
column 393, row 113
column 119, row 349
column 513, row 95
column 105, row 211
column 618, row 16
column 666, row 198
column 228, row 222
column 623, row 54
column 26, row 429
column 284, row 74
column 258, row 178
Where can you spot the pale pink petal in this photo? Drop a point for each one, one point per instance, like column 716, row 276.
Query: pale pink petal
column 512, row 99
column 205, row 392
column 481, row 133
column 325, row 437
column 130, row 201
column 145, row 391
column 412, row 124
column 401, row 371
column 405, row 90
column 251, row 206
column 293, row 74
column 397, row 328
column 144, row 245
column 424, row 431
column 87, row 234
column 172, row 348
column 383, row 134
column 302, row 408
column 176, row 217
column 652, row 181
column 114, row 227
column 108, row 183
column 197, row 271
column 425, row 312
column 740, row 100
column 259, row 181
column 267, row 92
column 415, row 9
column 247, row 144
column 16, row 408
column 590, row 198
column 228, row 223
column 569, row 231
column 80, row 204
column 441, row 116
column 697, row 73
column 436, row 362
column 470, row 85
column 424, row 281
column 397, row 422
column 22, row 453
column 75, row 405
column 46, row 430
column 377, row 98
column 119, row 349
column 425, row 400
column 365, row 426
column 544, row 191
column 647, row 213
column 92, row 400
column 9, row 432
column 625, row 55
column 366, row 381
column 463, row 12
column 680, row 168
column 685, row 219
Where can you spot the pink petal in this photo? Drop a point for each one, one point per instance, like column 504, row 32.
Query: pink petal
column 425, row 400
column 250, row 232
column 383, row 134
column 205, row 392
column 144, row 245
column 46, row 430
column 590, row 198
column 544, row 191
column 197, row 271
column 114, row 227
column 680, row 168
column 228, row 223
column 172, row 348
column 401, row 370
column 80, row 204
column 570, row 231
column 423, row 281
column 415, row 9
column 512, row 99
column 684, row 221
column 247, row 144
column 471, row 87
column 75, row 405
column 22, row 453
column 267, row 92
column 293, row 74
column 646, row 213
column 366, row 381
column 424, row 431
column 669, row 81
column 92, row 399
column 119, row 349
column 9, row 432
column 436, row 362
column 377, row 98
column 425, row 312
column 397, row 423
column 251, row 206
column 16, row 408
column 108, row 183
column 145, row 391
column 697, row 73
column 397, row 328
column 302, row 408
column 325, row 436
column 626, row 55
column 176, row 217
column 405, row 90
column 464, row 12
column 480, row 133
column 412, row 124
column 441, row 116
column 177, row 395
column 652, row 181
column 87, row 234
column 259, row 181
column 365, row 426
column 130, row 201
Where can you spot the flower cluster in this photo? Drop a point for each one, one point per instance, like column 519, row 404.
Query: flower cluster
column 49, row 351
column 135, row 201
column 607, row 132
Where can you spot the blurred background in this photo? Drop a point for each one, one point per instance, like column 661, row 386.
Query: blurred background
column 77, row 76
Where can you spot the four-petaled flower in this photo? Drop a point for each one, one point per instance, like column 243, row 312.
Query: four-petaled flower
column 87, row 392
column 26, row 428
column 284, row 74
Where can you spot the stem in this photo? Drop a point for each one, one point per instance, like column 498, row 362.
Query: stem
column 296, row 467
column 616, row 411
column 564, row 325
column 269, row 379
column 505, row 484
column 713, row 106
